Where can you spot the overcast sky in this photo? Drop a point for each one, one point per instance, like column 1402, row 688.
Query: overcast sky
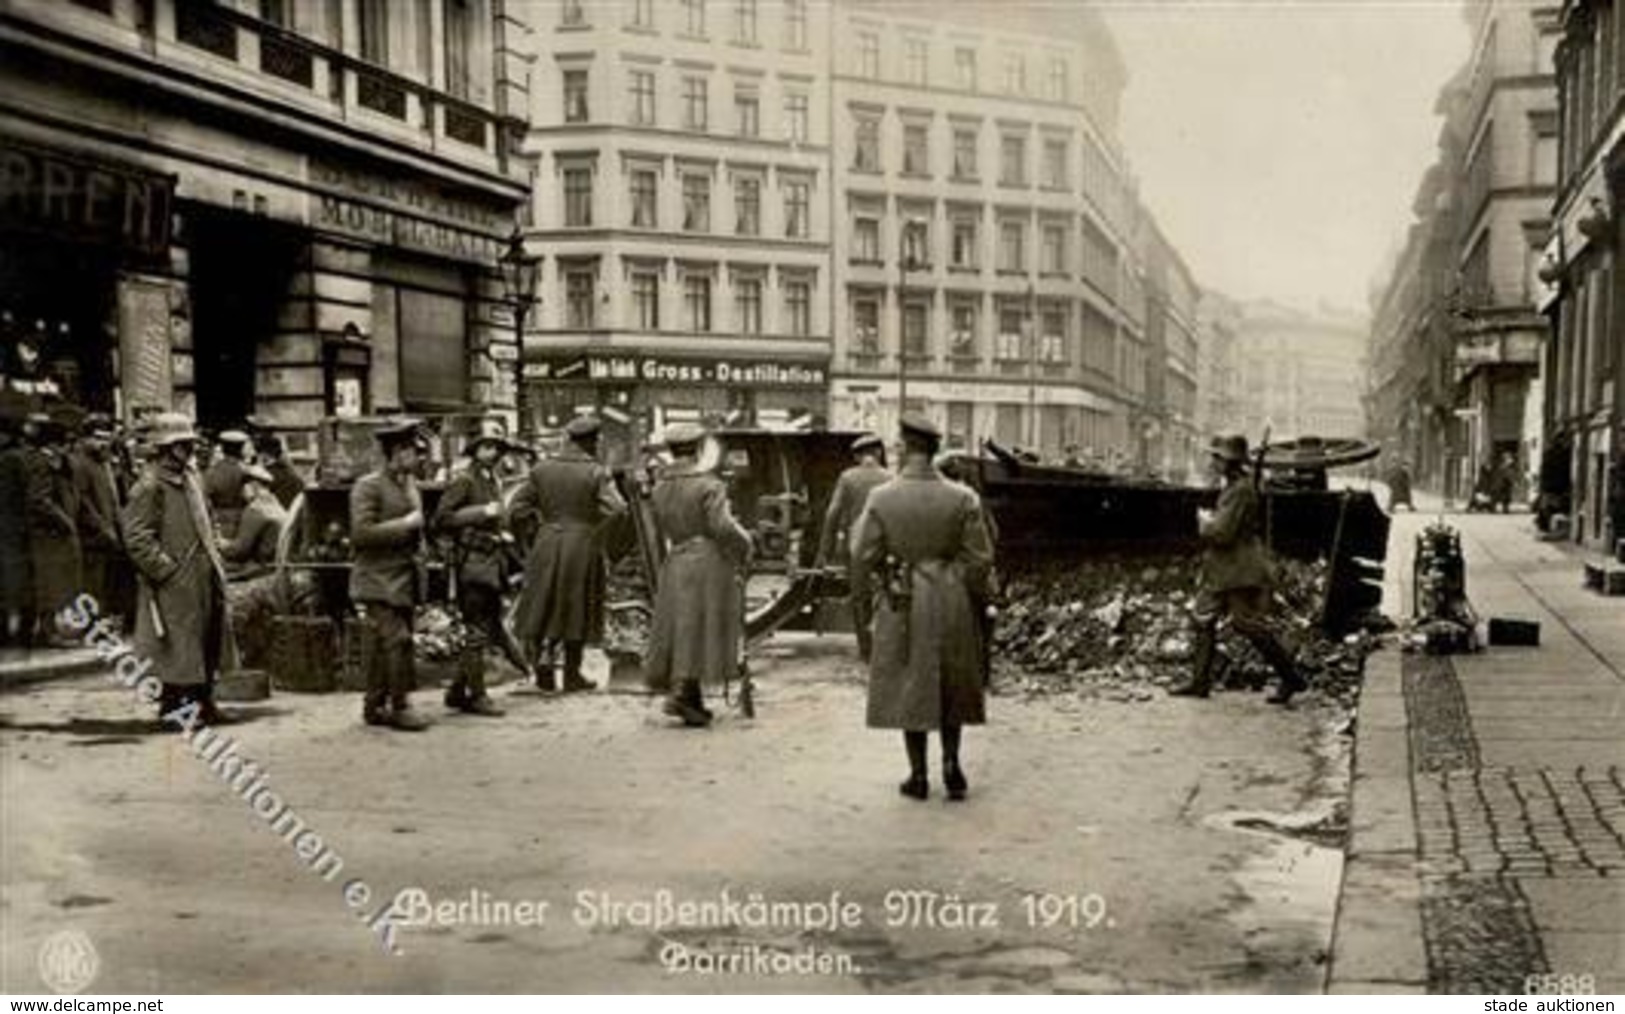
column 1279, row 142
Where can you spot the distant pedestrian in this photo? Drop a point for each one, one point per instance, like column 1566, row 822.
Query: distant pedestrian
column 223, row 481
column 1399, row 488
column 1235, row 578
column 182, row 623
column 923, row 556
column 846, row 503
column 571, row 496
column 253, row 549
column 699, row 602
column 386, row 529
column 51, row 526
column 286, row 482
column 107, row 574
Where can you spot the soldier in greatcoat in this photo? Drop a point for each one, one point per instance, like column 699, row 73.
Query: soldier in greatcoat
column 571, row 496
column 386, row 530
column 1235, row 578
column 182, row 624
column 845, row 505
column 923, row 557
column 699, row 603
column 51, row 526
column 106, row 566
column 470, row 512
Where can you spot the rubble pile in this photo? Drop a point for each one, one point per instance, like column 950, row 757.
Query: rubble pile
column 1121, row 629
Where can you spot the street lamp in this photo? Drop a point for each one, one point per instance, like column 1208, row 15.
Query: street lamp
column 905, row 262
column 1031, row 338
column 519, row 274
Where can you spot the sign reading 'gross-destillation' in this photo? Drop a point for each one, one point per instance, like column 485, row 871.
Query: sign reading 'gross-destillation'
column 662, row 370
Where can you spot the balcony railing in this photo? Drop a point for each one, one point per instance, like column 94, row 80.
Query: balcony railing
column 325, row 72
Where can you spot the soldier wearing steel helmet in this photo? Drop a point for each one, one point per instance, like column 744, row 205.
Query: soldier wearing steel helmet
column 1235, row 577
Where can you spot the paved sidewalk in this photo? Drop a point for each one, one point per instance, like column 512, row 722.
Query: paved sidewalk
column 1488, row 813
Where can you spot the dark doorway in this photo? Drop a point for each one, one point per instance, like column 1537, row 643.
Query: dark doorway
column 242, row 267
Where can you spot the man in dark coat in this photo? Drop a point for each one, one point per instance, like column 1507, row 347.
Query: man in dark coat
column 106, row 566
column 223, row 481
column 470, row 512
column 16, row 565
column 699, row 602
column 51, row 510
column 386, row 529
column 571, row 496
column 845, row 505
column 182, row 624
column 922, row 558
column 1235, row 579
column 286, row 482
column 253, row 549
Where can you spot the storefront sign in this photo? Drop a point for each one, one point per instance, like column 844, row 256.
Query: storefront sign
column 633, row 369
column 146, row 344
column 388, row 228
column 68, row 197
column 414, row 197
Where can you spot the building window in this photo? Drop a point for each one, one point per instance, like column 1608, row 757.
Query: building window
column 1015, row 74
column 916, row 322
column 645, row 207
column 748, row 304
column 745, row 22
column 747, row 206
column 797, row 209
column 965, row 153
column 574, row 13
column 798, row 307
column 964, row 245
column 747, row 111
column 575, row 96
column 1012, row 246
column 646, row 299
column 579, row 289
column 1007, row 344
column 962, row 331
column 916, row 149
column 696, row 203
column 696, row 103
column 643, row 98
column 643, row 14
column 866, row 145
column 1054, row 249
column 458, row 47
column 578, row 197
column 965, row 68
column 1057, row 79
column 916, row 242
column 373, row 22
column 866, row 239
column 869, row 55
column 1052, row 338
column 697, row 302
column 1055, row 164
column 917, row 61
column 795, row 116
column 694, row 17
column 1013, row 160
column 866, row 325
column 795, row 24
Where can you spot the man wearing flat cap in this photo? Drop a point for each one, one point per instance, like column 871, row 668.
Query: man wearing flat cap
column 386, row 529
column 223, row 481
column 922, row 558
column 845, row 505
column 181, row 620
column 100, row 500
column 699, row 604
column 1235, row 577
column 470, row 512
column 570, row 496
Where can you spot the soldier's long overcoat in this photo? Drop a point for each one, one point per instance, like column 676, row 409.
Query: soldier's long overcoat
column 170, row 538
column 699, row 605
column 925, row 670
column 568, row 497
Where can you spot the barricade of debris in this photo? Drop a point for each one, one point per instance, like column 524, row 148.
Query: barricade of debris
column 1121, row 629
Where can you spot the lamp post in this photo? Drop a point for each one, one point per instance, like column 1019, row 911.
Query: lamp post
column 519, row 274
column 905, row 262
column 1031, row 338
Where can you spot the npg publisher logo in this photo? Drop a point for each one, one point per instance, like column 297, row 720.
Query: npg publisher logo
column 68, row 961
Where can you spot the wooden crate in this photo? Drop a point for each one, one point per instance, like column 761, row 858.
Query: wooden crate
column 304, row 656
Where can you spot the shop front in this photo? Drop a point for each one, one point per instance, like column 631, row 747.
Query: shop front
column 637, row 394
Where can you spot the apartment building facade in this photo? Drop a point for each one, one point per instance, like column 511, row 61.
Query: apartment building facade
column 278, row 208
column 682, row 208
column 982, row 222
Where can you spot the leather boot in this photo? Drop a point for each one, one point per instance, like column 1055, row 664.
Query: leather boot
column 573, row 680
column 1200, row 683
column 681, row 705
column 469, row 664
column 696, row 699
column 916, row 785
column 479, row 702
column 208, row 712
column 1289, row 682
